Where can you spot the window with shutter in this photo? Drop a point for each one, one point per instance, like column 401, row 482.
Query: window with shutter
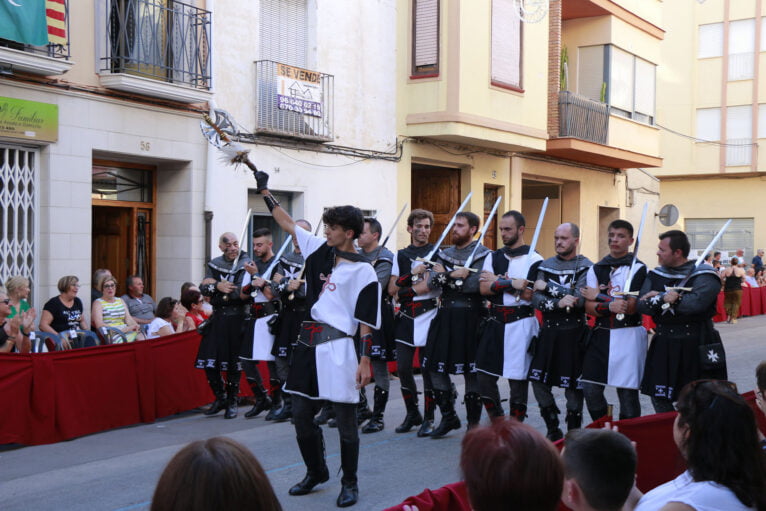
column 709, row 124
column 741, row 49
column 590, row 75
column 710, row 41
column 425, row 38
column 506, row 44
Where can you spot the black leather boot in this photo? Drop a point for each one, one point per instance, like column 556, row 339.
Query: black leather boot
column 550, row 415
column 326, row 413
column 473, row 407
column 286, row 412
column 363, row 411
column 450, row 419
column 312, row 452
column 413, row 417
column 232, row 396
column 375, row 424
column 349, row 461
column 574, row 420
column 276, row 399
column 519, row 411
column 428, row 414
column 494, row 408
column 216, row 384
column 262, row 400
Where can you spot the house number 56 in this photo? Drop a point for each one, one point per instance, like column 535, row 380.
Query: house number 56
column 146, row 146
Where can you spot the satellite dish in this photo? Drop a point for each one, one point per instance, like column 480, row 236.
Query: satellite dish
column 668, row 215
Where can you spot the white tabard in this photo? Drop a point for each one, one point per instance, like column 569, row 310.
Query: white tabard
column 339, row 306
column 262, row 340
column 421, row 323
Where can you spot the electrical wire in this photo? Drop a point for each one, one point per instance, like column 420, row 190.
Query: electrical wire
column 703, row 141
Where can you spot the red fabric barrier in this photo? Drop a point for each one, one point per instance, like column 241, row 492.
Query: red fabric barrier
column 756, row 308
column 744, row 308
column 762, row 292
column 62, row 395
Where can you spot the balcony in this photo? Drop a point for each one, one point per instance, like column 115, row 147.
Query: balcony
column 48, row 60
column 156, row 48
column 587, row 135
column 293, row 102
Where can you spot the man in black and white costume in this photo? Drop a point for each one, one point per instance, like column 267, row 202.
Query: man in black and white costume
column 504, row 345
column 342, row 295
column 259, row 339
column 558, row 355
column 222, row 340
column 616, row 351
column 683, row 321
column 416, row 311
column 289, row 285
column 451, row 346
column 382, row 339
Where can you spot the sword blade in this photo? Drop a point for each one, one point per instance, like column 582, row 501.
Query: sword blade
column 632, row 270
column 449, row 226
column 393, row 226
column 707, row 250
column 267, row 274
column 242, row 237
column 484, row 228
column 536, row 236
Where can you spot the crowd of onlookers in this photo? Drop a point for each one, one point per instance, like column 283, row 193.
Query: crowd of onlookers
column 113, row 319
column 510, row 465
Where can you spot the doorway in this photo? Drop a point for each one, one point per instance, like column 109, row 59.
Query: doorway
column 436, row 189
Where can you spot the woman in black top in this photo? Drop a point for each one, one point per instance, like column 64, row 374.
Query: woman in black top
column 64, row 312
column 732, row 287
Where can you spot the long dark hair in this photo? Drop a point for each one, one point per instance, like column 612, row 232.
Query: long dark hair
column 722, row 440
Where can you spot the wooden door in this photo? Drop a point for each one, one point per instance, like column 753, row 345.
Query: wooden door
column 112, row 230
column 436, row 189
column 490, row 196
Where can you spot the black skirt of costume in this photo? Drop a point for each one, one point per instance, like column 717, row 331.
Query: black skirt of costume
column 302, row 378
column 673, row 361
column 221, row 344
column 451, row 346
column 383, row 347
column 559, row 353
column 287, row 334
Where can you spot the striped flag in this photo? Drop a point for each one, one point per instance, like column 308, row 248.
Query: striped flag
column 55, row 11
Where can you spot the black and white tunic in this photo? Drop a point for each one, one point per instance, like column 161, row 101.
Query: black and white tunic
column 258, row 340
column 293, row 310
column 221, row 344
column 415, row 311
column 382, row 261
column 616, row 352
column 341, row 296
column 673, row 358
column 504, row 346
column 452, row 338
column 558, row 356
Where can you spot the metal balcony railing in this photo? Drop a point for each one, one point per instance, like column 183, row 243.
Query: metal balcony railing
column 293, row 102
column 741, row 66
column 739, row 151
column 159, row 39
column 56, row 51
column 583, row 118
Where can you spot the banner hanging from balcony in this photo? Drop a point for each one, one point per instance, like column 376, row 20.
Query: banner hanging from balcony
column 299, row 90
column 56, row 18
column 24, row 21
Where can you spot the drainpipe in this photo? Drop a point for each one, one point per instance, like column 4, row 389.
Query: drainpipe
column 211, row 159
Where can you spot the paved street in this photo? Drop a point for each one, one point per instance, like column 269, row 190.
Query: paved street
column 117, row 470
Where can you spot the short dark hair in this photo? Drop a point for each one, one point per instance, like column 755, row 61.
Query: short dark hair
column 190, row 297
column 472, row 218
column 375, row 227
column 677, row 241
column 708, row 257
column 509, row 461
column 760, row 376
column 130, row 279
column 349, row 218
column 518, row 218
column 716, row 253
column 621, row 224
column 261, row 232
column 165, row 307
column 603, row 462
column 419, row 214
column 217, row 473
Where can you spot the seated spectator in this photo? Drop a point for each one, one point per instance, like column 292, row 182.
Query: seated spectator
column 12, row 338
column 140, row 305
column 716, row 433
column 170, row 319
column 599, row 470
column 112, row 311
column 64, row 313
column 750, row 277
column 510, row 465
column 760, row 278
column 193, row 302
column 18, row 291
column 97, row 276
column 207, row 309
column 188, row 285
column 217, row 473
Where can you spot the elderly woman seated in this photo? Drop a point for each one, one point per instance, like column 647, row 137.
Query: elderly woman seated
column 111, row 311
column 12, row 337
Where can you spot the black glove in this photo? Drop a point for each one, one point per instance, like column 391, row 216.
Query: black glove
column 262, row 180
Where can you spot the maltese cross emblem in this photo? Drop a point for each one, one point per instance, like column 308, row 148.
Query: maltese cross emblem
column 712, row 356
